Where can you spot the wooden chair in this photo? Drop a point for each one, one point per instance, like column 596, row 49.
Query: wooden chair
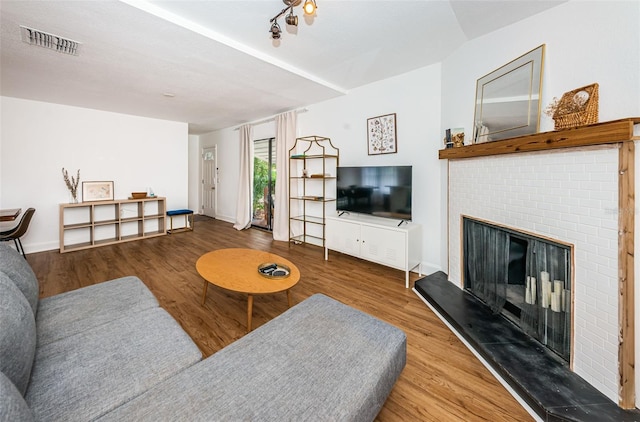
column 18, row 231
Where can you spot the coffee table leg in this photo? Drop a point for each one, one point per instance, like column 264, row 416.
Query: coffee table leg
column 204, row 291
column 249, row 311
column 289, row 297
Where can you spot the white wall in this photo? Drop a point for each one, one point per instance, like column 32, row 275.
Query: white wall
column 38, row 139
column 586, row 42
column 194, row 176
column 414, row 97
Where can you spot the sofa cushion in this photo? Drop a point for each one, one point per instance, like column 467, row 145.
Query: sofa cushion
column 83, row 376
column 320, row 360
column 17, row 334
column 72, row 312
column 19, row 271
column 12, row 404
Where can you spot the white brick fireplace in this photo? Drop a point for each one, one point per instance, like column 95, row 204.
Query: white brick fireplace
column 566, row 194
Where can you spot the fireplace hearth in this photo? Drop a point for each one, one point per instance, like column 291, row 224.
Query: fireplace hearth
column 539, row 377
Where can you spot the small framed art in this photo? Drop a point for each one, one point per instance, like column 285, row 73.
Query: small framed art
column 97, row 191
column 381, row 134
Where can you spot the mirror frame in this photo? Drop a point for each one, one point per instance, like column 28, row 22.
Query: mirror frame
column 520, row 125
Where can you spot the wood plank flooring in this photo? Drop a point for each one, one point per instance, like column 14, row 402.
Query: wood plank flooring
column 442, row 381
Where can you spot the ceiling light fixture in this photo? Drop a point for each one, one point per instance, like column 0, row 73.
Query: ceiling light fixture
column 309, row 8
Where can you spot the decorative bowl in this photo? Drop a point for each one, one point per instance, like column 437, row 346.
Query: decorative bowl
column 138, row 195
column 273, row 270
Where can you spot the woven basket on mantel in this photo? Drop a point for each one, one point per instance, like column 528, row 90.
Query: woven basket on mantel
column 577, row 108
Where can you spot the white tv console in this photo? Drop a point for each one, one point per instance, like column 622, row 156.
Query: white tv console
column 380, row 240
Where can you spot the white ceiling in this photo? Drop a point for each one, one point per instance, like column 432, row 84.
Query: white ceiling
column 218, row 58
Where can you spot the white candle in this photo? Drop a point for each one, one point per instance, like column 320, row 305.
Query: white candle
column 533, row 290
column 555, row 301
column 558, row 285
column 544, row 276
column 546, row 293
column 527, row 291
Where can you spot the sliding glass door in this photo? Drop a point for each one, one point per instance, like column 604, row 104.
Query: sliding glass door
column 264, row 182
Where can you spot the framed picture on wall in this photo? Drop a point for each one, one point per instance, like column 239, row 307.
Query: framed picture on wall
column 97, row 191
column 381, row 134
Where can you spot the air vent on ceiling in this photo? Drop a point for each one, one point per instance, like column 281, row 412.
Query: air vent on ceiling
column 50, row 41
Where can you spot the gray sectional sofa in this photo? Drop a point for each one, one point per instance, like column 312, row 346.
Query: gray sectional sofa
column 108, row 352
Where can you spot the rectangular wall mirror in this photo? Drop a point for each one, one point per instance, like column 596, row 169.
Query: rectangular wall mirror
column 508, row 99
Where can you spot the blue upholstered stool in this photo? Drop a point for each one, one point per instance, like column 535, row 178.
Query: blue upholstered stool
column 188, row 220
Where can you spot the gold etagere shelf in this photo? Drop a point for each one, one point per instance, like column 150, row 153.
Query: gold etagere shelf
column 313, row 163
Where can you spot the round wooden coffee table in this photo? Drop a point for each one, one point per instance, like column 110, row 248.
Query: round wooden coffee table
column 236, row 269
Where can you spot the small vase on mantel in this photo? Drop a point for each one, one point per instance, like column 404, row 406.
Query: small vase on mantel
column 73, row 199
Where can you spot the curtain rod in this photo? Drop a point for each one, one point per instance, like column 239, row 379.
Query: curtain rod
column 271, row 119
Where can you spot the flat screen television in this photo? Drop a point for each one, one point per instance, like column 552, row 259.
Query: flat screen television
column 383, row 191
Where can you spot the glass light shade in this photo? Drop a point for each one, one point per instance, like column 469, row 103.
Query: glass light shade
column 309, row 7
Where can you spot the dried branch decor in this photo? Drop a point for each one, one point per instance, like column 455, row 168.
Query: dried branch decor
column 72, row 184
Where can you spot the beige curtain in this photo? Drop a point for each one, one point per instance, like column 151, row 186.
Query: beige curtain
column 285, row 139
column 245, row 181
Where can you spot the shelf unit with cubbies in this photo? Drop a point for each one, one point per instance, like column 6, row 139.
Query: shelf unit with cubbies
column 91, row 224
column 313, row 163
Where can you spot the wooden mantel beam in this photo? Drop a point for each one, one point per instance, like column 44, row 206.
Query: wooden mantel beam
column 597, row 134
column 626, row 276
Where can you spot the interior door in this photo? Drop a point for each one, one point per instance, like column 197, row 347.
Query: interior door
column 209, row 179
